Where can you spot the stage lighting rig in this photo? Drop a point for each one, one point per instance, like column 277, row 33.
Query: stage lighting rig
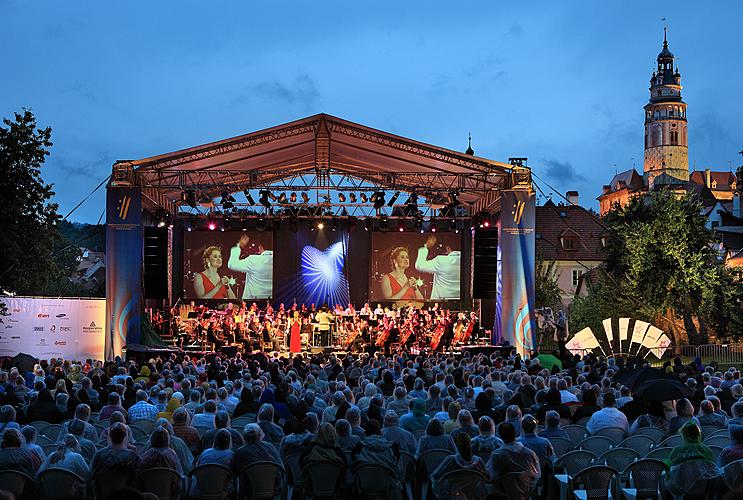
column 211, row 224
column 353, row 197
column 401, row 225
column 393, row 199
column 228, row 201
column 249, row 197
column 320, row 225
column 282, row 198
column 378, row 199
column 189, row 197
column 305, row 198
column 163, row 218
column 334, row 224
column 263, row 199
column 384, row 224
column 293, row 197
column 364, row 198
column 341, row 197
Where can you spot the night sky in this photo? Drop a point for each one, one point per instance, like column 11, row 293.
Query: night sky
column 562, row 83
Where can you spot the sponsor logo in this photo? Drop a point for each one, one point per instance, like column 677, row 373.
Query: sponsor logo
column 42, row 315
column 42, row 342
column 92, row 328
column 62, row 315
column 38, row 328
column 60, row 342
column 518, row 211
column 53, row 329
column 65, row 328
column 15, row 310
column 12, row 321
column 15, row 337
column 8, row 326
column 123, row 206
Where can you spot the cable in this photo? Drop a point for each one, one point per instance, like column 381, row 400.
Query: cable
column 88, row 196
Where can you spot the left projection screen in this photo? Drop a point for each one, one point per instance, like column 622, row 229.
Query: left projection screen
column 228, row 265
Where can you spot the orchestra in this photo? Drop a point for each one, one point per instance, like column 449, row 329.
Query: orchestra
column 302, row 327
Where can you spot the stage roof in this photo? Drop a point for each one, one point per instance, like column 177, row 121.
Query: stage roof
column 323, row 146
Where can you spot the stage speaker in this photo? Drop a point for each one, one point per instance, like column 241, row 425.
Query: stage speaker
column 485, row 272
column 155, row 275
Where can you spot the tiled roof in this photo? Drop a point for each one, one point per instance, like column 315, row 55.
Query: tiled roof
column 723, row 179
column 554, row 221
column 631, row 179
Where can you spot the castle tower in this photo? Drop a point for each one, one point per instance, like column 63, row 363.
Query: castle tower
column 666, row 141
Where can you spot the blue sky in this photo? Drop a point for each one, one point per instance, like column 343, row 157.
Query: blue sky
column 562, row 83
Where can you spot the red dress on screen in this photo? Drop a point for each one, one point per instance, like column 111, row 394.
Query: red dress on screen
column 209, row 286
column 295, row 339
column 396, row 287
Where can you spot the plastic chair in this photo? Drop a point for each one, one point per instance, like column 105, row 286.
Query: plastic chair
column 708, row 430
column 138, row 432
column 41, row 440
column 654, row 433
column 672, row 441
column 159, row 481
column 659, row 453
column 212, row 481
column 324, row 477
column 576, row 432
column 597, row 482
column 517, row 486
column 645, row 477
column 615, row 434
column 716, row 450
column 720, row 432
column 243, row 420
column 427, row 463
column 48, row 448
column 721, row 441
column 52, row 431
column 641, row 444
column 407, row 465
column 19, row 484
column 732, row 474
column 584, row 421
column 110, row 481
column 264, row 479
column 372, row 481
column 561, row 445
column 619, row 458
column 293, row 474
column 146, row 425
column 571, row 463
column 595, row 444
column 60, row 483
column 39, row 426
column 466, row 483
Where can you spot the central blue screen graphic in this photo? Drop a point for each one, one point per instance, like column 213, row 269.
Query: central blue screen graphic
column 323, row 277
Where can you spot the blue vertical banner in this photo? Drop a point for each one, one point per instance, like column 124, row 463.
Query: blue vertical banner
column 516, row 260
column 124, row 247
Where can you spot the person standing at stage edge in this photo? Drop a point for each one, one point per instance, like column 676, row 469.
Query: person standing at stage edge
column 446, row 270
column 258, row 269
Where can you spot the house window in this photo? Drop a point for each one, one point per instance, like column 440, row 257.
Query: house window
column 568, row 243
column 576, row 277
column 715, row 223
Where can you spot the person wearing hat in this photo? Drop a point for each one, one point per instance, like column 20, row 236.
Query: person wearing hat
column 416, row 419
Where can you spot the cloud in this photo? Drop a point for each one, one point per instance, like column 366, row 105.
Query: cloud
column 562, row 172
column 301, row 91
column 92, row 169
column 516, row 30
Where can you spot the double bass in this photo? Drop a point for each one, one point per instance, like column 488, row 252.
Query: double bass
column 437, row 334
column 384, row 333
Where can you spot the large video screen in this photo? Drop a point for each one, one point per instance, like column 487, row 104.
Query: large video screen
column 228, row 265
column 414, row 267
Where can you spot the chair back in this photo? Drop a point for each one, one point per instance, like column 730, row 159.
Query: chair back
column 202, row 430
column 39, row 426
column 646, row 476
column 138, row 432
column 324, row 477
column 721, row 441
column 561, row 445
column 716, row 450
column 243, row 420
column 618, row 458
column 708, row 430
column 517, row 486
column 59, row 483
column 659, row 453
column 466, row 483
column 673, row 441
column 263, row 477
column 407, row 465
column 373, row 481
column 146, row 425
column 595, row 444
column 52, row 431
column 293, row 469
column 732, row 474
column 575, row 461
column 48, row 448
column 655, row 433
column 615, row 434
column 111, row 481
column 159, row 481
column 576, row 432
column 641, row 444
column 584, row 421
column 212, row 481
column 597, row 480
column 429, row 460
column 17, row 483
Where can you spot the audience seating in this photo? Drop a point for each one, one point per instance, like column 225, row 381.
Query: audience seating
column 59, row 483
column 517, row 486
column 641, row 444
column 465, row 483
column 407, row 465
column 571, row 463
column 661, row 453
column 618, row 458
column 324, row 479
column 576, row 432
column 263, row 478
column 654, row 433
column 721, row 441
column 372, row 481
column 644, row 479
column 595, row 444
column 20, row 485
column 293, row 474
column 614, row 434
column 672, row 441
column 213, row 482
column 427, row 463
column 561, row 445
column 597, row 482
column 732, row 474
column 159, row 481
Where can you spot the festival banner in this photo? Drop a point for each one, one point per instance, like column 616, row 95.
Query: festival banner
column 124, row 247
column 516, row 251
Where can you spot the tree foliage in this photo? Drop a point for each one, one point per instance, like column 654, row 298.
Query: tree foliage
column 546, row 289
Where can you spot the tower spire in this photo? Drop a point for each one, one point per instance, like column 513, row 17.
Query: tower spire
column 469, row 151
column 665, row 37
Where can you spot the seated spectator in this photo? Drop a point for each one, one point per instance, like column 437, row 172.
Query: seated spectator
column 82, row 415
column 376, row 450
column 435, row 439
column 684, row 414
column 552, row 429
column 690, row 461
column 607, row 417
column 184, row 430
column 733, row 451
column 588, row 407
column 44, row 409
column 7, row 419
column 142, row 409
column 77, row 428
column 114, row 404
column 330, row 413
column 484, row 443
column 654, row 416
column 221, row 421
column 247, row 404
column 513, row 416
column 221, row 453
column 463, row 459
column 323, row 449
column 393, row 432
column 353, row 415
column 416, row 419
column 452, row 412
column 296, row 441
column 67, row 457
column 539, row 445
column 272, row 432
column 466, row 425
column 117, row 456
column 160, row 454
column 484, row 405
column 707, row 415
column 206, row 418
column 400, row 402
column 116, row 417
column 254, row 450
column 346, row 440
column 29, row 436
column 173, row 404
column 513, row 457
column 13, row 456
column 553, row 402
column 737, row 411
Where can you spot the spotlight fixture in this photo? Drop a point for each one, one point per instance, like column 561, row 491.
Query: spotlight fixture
column 211, row 225
column 282, row 198
column 341, row 197
column 401, row 225
column 334, row 224
column 353, row 197
column 249, row 197
column 378, row 199
column 228, row 201
column 364, row 198
column 320, row 225
column 263, row 199
column 393, row 199
column 163, row 218
column 305, row 198
column 453, row 201
column 293, row 197
column 383, row 224
column 189, row 197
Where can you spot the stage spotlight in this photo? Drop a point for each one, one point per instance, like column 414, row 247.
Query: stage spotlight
column 282, row 198
column 211, row 225
column 341, row 197
column 244, row 224
column 228, row 201
column 305, row 198
column 353, row 197
column 393, row 199
column 364, row 198
column 249, row 197
column 162, row 218
column 189, row 197
column 334, row 224
column 384, row 224
column 263, row 199
column 261, row 225
column 378, row 199
column 320, row 225
column 418, row 221
column 401, row 226
column 293, row 197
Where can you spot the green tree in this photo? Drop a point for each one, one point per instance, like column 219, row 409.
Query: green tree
column 30, row 248
column 546, row 289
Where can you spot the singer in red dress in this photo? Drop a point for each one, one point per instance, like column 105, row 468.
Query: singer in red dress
column 396, row 285
column 208, row 284
column 295, row 333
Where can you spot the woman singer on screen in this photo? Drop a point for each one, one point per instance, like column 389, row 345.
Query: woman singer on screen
column 396, row 285
column 208, row 284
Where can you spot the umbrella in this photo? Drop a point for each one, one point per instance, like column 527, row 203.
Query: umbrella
column 548, row 361
column 24, row 362
column 662, row 390
column 635, row 378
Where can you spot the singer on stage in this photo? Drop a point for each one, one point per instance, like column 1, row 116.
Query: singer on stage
column 208, row 284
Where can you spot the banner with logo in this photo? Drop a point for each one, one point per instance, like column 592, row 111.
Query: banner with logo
column 45, row 328
column 124, row 247
column 514, row 320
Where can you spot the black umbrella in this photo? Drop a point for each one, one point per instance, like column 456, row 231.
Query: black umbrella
column 633, row 379
column 662, row 390
column 24, row 362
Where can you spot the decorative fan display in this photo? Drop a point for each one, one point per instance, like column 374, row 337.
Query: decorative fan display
column 621, row 336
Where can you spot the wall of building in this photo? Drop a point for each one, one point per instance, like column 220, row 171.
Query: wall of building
column 564, row 271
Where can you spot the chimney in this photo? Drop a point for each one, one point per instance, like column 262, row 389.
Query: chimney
column 607, row 188
column 572, row 197
column 736, row 206
column 707, row 178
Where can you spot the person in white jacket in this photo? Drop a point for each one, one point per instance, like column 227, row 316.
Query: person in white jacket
column 446, row 270
column 258, row 269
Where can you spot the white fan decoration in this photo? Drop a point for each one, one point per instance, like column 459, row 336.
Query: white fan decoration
column 618, row 339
